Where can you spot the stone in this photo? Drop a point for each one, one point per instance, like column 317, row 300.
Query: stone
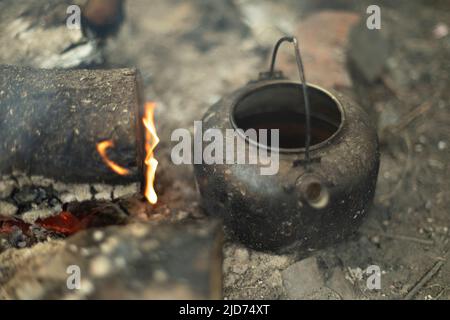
column 60, row 187
column 67, row 197
column 32, row 215
column 309, row 279
column 23, row 181
column 7, row 209
column 82, row 192
column 303, row 279
column 369, row 51
column 103, row 196
column 17, row 238
column 6, row 188
column 323, row 41
column 74, row 192
column 121, row 191
column 41, row 181
column 100, row 187
column 103, row 191
column 26, row 195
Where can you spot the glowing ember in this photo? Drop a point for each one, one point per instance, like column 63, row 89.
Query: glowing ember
column 65, row 223
column 102, row 147
column 151, row 141
column 7, row 225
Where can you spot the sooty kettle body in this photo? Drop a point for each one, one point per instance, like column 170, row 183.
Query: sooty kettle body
column 311, row 201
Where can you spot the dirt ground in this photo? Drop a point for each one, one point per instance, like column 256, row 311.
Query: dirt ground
column 191, row 53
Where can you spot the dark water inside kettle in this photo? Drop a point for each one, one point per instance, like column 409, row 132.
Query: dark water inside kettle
column 292, row 126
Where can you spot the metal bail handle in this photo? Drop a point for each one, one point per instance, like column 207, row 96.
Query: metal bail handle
column 301, row 72
column 311, row 186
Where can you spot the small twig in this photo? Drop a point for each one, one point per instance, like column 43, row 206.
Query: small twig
column 424, row 280
column 409, row 238
column 401, row 237
column 427, row 276
column 440, row 293
column 410, row 117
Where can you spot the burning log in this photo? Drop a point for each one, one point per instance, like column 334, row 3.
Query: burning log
column 52, row 121
column 139, row 261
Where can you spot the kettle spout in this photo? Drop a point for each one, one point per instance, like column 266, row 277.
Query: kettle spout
column 314, row 191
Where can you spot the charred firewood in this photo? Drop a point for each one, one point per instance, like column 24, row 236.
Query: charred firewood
column 139, row 261
column 52, row 120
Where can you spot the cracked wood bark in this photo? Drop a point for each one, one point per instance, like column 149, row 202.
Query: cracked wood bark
column 51, row 120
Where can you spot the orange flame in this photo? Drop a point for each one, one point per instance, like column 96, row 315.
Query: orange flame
column 151, row 141
column 102, row 147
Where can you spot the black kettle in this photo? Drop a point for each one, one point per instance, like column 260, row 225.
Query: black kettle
column 328, row 161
